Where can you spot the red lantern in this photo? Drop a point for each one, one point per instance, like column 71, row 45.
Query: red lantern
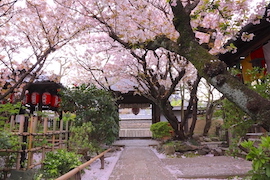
column 35, row 98
column 12, row 98
column 135, row 110
column 55, row 101
column 46, row 98
column 26, row 98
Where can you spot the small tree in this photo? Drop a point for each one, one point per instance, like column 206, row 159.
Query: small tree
column 97, row 117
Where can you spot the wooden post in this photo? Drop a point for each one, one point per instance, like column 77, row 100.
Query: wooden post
column 35, row 122
column 102, row 162
column 30, row 143
column 61, row 135
column 20, row 141
column 33, row 129
column 78, row 176
column 12, row 123
column 53, row 136
column 66, row 134
column 45, row 129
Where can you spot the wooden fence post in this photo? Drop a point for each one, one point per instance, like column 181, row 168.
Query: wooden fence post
column 12, row 123
column 66, row 133
column 53, row 136
column 30, row 143
column 61, row 135
column 102, row 161
column 45, row 129
column 20, row 141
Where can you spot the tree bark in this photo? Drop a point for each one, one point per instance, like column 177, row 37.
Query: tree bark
column 212, row 69
column 193, row 95
column 194, row 101
column 208, row 118
column 167, row 110
column 209, row 115
column 194, row 116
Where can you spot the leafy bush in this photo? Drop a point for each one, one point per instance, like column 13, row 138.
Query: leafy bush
column 236, row 121
column 161, row 129
column 96, row 116
column 8, row 141
column 81, row 138
column 260, row 157
column 60, row 162
column 6, row 110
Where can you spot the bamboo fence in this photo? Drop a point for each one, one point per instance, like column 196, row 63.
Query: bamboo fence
column 76, row 172
column 37, row 135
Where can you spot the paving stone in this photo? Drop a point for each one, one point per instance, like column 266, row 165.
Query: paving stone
column 139, row 162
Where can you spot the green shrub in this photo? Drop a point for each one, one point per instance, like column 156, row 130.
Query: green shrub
column 81, row 138
column 260, row 156
column 8, row 141
column 60, row 162
column 161, row 129
column 96, row 121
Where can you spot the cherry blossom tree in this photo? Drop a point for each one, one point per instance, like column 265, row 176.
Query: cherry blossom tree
column 6, row 10
column 196, row 30
column 191, row 29
column 153, row 74
column 30, row 32
column 214, row 70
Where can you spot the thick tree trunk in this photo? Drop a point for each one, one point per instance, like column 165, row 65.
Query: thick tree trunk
column 194, row 116
column 172, row 119
column 212, row 69
column 209, row 114
column 208, row 119
column 187, row 113
column 193, row 98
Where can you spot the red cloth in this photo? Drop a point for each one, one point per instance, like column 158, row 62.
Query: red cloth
column 257, row 58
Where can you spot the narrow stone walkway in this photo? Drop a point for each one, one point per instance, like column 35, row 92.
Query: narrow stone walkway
column 139, row 162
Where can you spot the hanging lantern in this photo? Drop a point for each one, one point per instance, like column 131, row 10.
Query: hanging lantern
column 55, row 101
column 135, row 110
column 46, row 98
column 26, row 99
column 35, row 98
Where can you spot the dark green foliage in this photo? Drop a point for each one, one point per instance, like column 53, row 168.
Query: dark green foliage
column 235, row 119
column 259, row 82
column 6, row 110
column 260, row 156
column 60, row 162
column 96, row 115
column 161, row 129
column 8, row 141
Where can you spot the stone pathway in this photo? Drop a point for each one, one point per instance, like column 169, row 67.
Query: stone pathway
column 140, row 163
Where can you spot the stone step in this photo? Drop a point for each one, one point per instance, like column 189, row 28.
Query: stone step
column 135, row 133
